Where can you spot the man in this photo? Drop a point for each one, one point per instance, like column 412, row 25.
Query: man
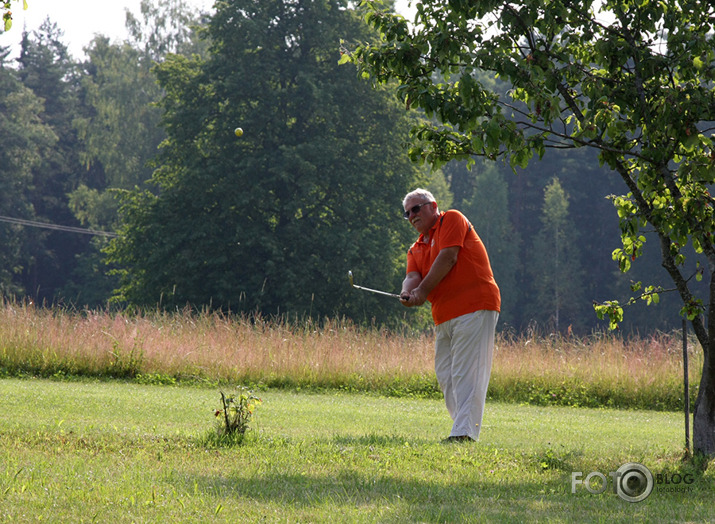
column 449, row 267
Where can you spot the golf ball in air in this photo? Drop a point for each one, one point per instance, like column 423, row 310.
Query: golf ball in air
column 239, row 131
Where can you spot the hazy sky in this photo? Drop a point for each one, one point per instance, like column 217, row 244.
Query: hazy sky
column 79, row 19
column 82, row 19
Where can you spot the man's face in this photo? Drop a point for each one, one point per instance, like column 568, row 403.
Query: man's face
column 425, row 217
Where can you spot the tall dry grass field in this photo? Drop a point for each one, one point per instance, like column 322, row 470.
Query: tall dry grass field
column 602, row 370
column 207, row 346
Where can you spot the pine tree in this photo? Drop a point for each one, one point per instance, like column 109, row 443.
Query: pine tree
column 554, row 266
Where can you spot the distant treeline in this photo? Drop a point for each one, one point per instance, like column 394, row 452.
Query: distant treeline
column 137, row 139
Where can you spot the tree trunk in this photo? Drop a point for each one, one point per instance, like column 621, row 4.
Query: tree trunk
column 704, row 413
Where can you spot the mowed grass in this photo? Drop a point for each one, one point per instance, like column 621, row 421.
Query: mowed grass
column 166, row 348
column 116, row 451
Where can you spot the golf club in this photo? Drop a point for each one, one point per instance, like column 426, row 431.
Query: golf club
column 350, row 277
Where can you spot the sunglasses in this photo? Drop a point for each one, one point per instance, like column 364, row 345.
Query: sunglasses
column 414, row 209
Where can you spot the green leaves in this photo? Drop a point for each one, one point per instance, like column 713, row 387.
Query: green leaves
column 610, row 310
column 7, row 14
column 636, row 84
column 238, row 409
column 693, row 309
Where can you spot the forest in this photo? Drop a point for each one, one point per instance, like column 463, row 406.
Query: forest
column 123, row 184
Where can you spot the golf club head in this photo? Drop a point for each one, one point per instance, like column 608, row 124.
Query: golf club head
column 350, row 278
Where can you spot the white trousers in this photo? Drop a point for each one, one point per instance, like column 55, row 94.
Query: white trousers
column 464, row 348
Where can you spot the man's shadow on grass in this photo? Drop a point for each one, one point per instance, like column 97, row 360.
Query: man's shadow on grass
column 394, row 499
column 414, row 496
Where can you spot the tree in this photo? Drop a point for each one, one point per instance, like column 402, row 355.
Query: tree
column 166, row 26
column 554, row 268
column 120, row 98
column 45, row 67
column 25, row 140
column 273, row 220
column 633, row 81
column 120, row 93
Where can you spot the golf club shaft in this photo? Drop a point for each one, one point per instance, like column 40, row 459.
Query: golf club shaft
column 350, row 278
column 376, row 291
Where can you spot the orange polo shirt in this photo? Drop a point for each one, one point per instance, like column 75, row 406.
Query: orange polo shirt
column 469, row 286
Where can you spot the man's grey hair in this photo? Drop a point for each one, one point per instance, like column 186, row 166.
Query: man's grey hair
column 425, row 195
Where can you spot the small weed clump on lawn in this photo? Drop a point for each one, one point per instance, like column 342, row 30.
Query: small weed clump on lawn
column 233, row 418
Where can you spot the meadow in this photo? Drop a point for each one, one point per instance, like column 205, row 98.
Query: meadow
column 106, row 417
column 116, row 451
column 602, row 370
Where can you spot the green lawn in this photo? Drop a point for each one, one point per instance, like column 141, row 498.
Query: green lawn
column 120, row 452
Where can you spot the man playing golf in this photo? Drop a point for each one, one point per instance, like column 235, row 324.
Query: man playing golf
column 449, row 267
